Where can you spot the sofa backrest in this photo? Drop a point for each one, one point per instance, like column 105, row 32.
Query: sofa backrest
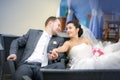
column 1, row 52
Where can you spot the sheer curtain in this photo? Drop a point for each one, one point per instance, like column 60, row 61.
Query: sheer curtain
column 96, row 22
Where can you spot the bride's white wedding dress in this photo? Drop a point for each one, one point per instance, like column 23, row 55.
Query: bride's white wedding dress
column 81, row 57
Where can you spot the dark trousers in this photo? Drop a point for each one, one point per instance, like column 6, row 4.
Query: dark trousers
column 31, row 70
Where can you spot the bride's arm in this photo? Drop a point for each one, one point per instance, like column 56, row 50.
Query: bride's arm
column 63, row 48
column 54, row 52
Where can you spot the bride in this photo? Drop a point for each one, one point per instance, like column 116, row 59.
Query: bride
column 86, row 52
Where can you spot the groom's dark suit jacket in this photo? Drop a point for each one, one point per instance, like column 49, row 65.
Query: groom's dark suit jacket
column 30, row 40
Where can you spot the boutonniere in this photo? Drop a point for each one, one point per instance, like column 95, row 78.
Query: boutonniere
column 54, row 42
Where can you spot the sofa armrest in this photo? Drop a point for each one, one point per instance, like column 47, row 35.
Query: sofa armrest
column 12, row 66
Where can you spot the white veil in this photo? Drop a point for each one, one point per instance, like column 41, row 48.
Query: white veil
column 105, row 46
column 88, row 34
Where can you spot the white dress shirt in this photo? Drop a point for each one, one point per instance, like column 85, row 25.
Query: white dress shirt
column 40, row 52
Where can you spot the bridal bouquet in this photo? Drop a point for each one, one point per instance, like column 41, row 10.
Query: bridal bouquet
column 97, row 52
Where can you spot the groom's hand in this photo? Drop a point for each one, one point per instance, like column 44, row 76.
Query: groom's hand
column 12, row 57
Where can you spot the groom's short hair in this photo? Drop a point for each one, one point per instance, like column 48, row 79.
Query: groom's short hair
column 51, row 18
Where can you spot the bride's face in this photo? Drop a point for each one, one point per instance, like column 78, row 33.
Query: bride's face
column 72, row 31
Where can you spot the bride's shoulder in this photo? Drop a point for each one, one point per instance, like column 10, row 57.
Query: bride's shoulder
column 87, row 41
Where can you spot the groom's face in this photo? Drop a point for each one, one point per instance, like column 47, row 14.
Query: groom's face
column 56, row 27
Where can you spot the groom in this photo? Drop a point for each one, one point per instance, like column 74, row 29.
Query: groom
column 38, row 44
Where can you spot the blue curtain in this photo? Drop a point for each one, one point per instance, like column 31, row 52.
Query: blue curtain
column 63, row 8
column 71, row 13
column 81, row 8
column 110, row 6
column 96, row 22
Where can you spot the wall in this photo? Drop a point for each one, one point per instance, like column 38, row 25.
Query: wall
column 18, row 16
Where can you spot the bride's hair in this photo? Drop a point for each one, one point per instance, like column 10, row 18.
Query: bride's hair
column 77, row 25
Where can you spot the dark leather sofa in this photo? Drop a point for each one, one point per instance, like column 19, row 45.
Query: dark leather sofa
column 60, row 74
column 53, row 74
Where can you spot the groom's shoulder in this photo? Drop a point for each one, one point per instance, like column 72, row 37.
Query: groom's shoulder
column 35, row 30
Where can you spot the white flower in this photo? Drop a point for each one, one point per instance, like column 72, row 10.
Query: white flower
column 54, row 42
